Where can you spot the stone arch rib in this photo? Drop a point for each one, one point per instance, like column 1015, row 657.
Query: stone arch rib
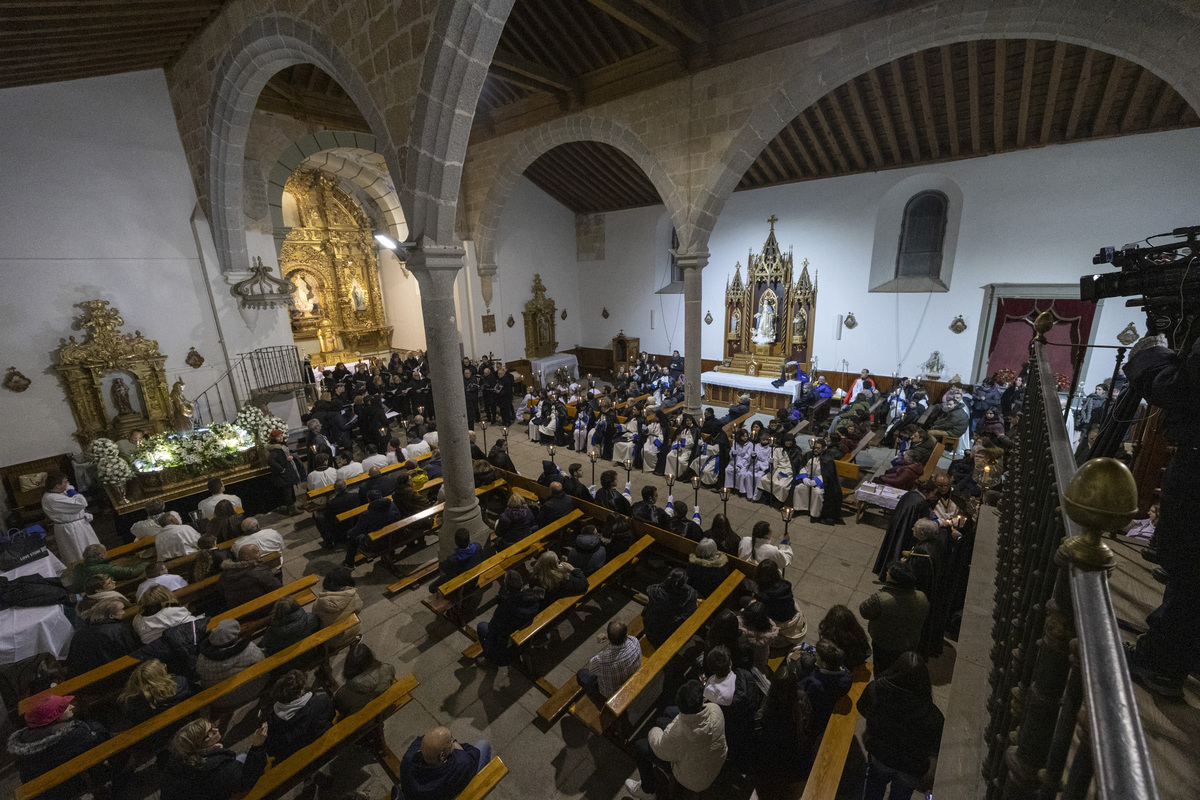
column 879, row 42
column 586, row 127
column 254, row 55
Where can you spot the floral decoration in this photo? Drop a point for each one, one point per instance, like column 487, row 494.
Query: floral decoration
column 217, row 447
column 1006, row 376
column 259, row 424
column 1061, row 382
column 111, row 467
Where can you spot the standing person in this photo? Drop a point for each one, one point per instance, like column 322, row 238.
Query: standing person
column 608, row 670
column 67, row 509
column 287, row 471
column 913, row 506
column 904, row 728
column 895, row 616
column 929, row 562
column 688, row 739
column 784, row 750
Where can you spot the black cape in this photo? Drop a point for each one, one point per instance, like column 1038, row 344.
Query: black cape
column 912, row 507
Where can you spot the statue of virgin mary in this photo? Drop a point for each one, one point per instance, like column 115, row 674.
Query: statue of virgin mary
column 764, row 324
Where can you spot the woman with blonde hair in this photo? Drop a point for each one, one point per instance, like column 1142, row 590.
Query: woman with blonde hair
column 199, row 768
column 557, row 579
column 151, row 690
column 159, row 611
column 515, row 522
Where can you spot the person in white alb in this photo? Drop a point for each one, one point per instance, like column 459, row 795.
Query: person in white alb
column 175, row 539
column 216, row 490
column 157, row 575
column 347, row 468
column 150, row 526
column 322, row 474
column 375, row 459
column 268, row 540
column 67, row 509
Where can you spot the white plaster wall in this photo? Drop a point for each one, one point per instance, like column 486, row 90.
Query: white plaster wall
column 1035, row 217
column 401, row 303
column 97, row 202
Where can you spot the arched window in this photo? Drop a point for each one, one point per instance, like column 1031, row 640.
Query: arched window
column 922, row 234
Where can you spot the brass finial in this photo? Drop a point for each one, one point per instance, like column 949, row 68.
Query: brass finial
column 1101, row 498
column 1042, row 326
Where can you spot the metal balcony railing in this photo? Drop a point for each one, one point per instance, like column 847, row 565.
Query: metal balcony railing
column 263, row 375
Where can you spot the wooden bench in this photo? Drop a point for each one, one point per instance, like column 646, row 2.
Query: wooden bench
column 484, row 781
column 199, row 591
column 284, row 774
column 300, row 590
column 177, row 713
column 830, row 760
column 433, row 483
column 366, row 474
column 600, row 718
column 564, row 695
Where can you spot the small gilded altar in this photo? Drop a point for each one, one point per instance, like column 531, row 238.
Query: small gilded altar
column 331, row 257
column 540, row 338
column 769, row 317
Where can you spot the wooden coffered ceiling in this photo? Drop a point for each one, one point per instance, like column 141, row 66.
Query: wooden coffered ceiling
column 42, row 41
column 590, row 177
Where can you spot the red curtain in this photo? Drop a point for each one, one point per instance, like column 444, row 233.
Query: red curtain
column 1012, row 331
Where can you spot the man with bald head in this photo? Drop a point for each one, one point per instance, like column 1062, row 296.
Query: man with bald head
column 437, row 767
column 268, row 540
column 556, row 506
column 377, row 481
column 246, row 578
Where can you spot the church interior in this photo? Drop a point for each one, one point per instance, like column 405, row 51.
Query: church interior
column 223, row 218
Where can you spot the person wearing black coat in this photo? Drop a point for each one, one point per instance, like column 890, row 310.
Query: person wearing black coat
column 103, row 636
column 53, row 737
column 381, row 511
column 913, row 505
column 333, row 532
column 499, row 458
column 707, row 568
column 198, row 768
column 647, row 510
column 587, row 553
column 516, row 607
column 904, row 728
column 608, row 495
column 286, row 469
column 298, row 717
column 668, row 604
column 556, row 506
column 289, row 624
column 515, row 522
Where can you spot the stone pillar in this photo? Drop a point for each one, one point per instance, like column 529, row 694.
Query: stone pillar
column 435, row 269
column 693, row 296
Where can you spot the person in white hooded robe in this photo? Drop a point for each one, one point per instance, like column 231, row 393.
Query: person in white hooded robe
column 810, row 490
column 740, row 472
column 67, row 509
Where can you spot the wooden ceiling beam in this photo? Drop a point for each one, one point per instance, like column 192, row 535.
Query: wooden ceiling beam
column 999, row 78
column 1104, row 113
column 633, row 173
column 601, row 168
column 1141, row 88
column 110, row 47
column 885, row 116
column 551, row 29
column 86, row 11
column 826, row 164
column 860, row 111
column 1159, row 117
column 148, row 58
column 780, row 146
column 910, row 129
column 1026, row 90
column 830, row 137
column 847, row 131
column 1081, row 87
column 951, row 103
column 1056, row 70
column 648, row 25
column 926, row 104
column 678, row 19
column 973, row 94
column 546, row 77
column 38, row 41
column 793, row 138
column 771, row 160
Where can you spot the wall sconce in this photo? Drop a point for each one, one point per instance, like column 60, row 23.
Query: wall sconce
column 958, row 325
column 604, row 313
column 510, row 322
column 708, row 318
column 850, row 322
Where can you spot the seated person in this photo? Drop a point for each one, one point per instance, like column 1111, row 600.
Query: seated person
column 406, row 497
column 688, row 740
column 175, row 539
column 223, row 654
column 322, row 474
column 364, row 678
column 347, row 467
column 374, row 459
column 557, row 579
column 707, row 567
column 216, row 491
column 515, row 522
column 467, row 554
column 903, row 475
column 378, row 481
column 150, row 525
column 102, row 636
column 225, row 524
column 647, row 510
column 52, row 736
column 436, row 767
column 608, row 670
column 98, row 589
column 433, row 464
column 775, row 593
column 246, row 578
column 159, row 611
column 736, row 693
column 289, row 624
column 268, row 540
column 157, row 575
column 556, row 506
column 337, row 599
column 516, row 607
column 587, row 553
column 380, row 513
column 198, row 768
column 333, row 531
column 685, row 525
column 668, row 605
column 149, row 691
column 96, row 562
column 827, row 681
column 617, row 535
column 609, row 497
column 209, row 557
column 298, row 717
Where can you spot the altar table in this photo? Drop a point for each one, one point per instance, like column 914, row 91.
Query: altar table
column 551, row 364
column 723, row 388
column 25, row 632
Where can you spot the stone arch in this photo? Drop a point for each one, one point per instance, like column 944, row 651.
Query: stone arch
column 586, row 127
column 460, row 50
column 1104, row 27
column 337, row 153
column 254, row 55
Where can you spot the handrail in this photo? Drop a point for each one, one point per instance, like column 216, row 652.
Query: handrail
column 1047, row 595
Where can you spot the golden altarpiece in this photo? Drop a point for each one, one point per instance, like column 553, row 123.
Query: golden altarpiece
column 332, row 260
column 540, row 338
column 84, row 368
column 769, row 318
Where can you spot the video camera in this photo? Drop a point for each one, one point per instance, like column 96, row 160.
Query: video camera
column 1166, row 276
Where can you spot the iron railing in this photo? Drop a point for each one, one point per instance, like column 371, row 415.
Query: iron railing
column 262, row 375
column 1056, row 646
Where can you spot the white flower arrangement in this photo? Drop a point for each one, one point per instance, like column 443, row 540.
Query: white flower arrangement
column 199, row 451
column 112, row 469
column 251, row 419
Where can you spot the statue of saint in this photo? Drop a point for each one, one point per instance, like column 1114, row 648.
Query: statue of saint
column 734, row 322
column 120, row 397
column 764, row 323
column 306, row 297
column 800, row 326
column 358, row 296
column 182, row 409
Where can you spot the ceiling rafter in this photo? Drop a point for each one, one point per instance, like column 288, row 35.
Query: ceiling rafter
column 847, row 132
column 1026, row 90
column 1081, row 89
column 856, row 104
column 645, row 23
column 1108, row 97
column 830, row 138
column 910, row 129
column 1144, row 80
column 1056, row 72
column 678, row 19
column 951, row 103
column 926, row 105
column 999, row 67
column 826, row 164
column 973, row 104
column 878, row 99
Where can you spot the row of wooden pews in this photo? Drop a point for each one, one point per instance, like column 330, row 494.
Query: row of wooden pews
column 324, row 490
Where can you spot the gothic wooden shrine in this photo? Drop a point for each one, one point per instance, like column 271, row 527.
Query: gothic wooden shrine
column 768, row 318
column 540, row 339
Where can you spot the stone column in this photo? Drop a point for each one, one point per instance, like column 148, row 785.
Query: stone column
column 435, row 269
column 693, row 296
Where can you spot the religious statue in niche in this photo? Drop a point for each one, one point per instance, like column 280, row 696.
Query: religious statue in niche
column 182, row 409
column 769, row 317
column 332, row 259
column 540, row 339
column 120, row 397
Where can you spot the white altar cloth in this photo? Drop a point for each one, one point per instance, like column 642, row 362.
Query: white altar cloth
column 750, row 383
column 550, row 364
column 25, row 632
